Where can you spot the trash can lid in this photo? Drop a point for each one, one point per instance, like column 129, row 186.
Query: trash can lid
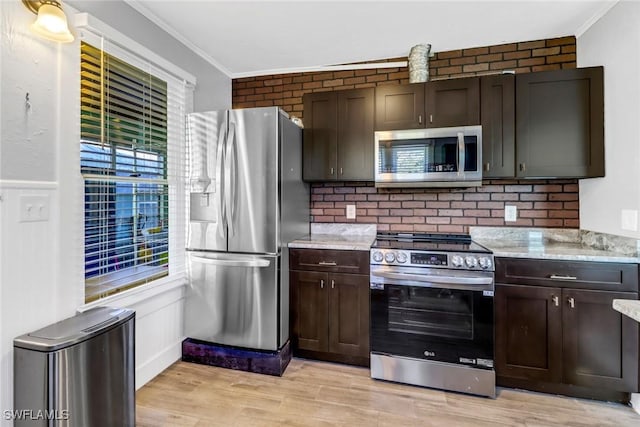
column 74, row 330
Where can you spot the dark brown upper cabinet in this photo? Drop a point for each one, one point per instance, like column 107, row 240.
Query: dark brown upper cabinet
column 338, row 135
column 560, row 124
column 497, row 112
column 400, row 107
column 441, row 103
column 454, row 102
column 320, row 153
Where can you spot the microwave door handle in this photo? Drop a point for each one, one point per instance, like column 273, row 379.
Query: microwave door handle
column 219, row 195
column 461, row 153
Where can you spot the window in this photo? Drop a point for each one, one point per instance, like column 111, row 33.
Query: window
column 130, row 160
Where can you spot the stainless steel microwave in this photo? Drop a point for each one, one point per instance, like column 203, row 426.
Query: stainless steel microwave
column 440, row 157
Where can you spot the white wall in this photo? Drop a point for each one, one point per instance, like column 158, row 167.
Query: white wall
column 41, row 267
column 614, row 42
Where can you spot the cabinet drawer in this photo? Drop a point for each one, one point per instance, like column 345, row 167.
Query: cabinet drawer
column 568, row 274
column 354, row 262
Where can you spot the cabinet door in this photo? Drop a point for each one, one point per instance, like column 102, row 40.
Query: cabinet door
column 454, row 102
column 528, row 332
column 560, row 123
column 349, row 314
column 400, row 107
column 497, row 112
column 319, row 148
column 355, row 134
column 600, row 344
column 309, row 301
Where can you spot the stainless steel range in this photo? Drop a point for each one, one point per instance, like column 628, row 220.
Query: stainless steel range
column 432, row 312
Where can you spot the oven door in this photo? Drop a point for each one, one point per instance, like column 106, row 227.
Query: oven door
column 433, row 314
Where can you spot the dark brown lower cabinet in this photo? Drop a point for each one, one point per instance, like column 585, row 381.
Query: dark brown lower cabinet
column 600, row 345
column 528, row 332
column 565, row 340
column 330, row 316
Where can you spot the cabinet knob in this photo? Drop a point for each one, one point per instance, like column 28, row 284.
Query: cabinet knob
column 430, row 118
column 333, row 284
column 556, row 300
column 487, row 167
column 572, row 302
column 523, row 167
column 340, row 171
column 420, row 118
column 331, row 171
column 321, row 284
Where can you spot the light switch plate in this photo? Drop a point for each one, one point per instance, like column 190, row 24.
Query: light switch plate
column 351, row 211
column 629, row 219
column 34, row 208
column 510, row 213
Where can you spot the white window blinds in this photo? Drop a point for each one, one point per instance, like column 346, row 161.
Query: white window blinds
column 132, row 161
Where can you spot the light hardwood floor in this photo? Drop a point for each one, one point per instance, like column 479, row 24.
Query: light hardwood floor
column 312, row 393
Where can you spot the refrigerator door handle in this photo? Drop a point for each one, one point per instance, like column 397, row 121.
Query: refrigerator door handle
column 261, row 263
column 219, row 188
column 229, row 193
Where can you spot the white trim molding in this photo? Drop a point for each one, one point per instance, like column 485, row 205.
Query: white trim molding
column 144, row 11
column 319, row 68
column 84, row 21
column 595, row 17
column 28, row 185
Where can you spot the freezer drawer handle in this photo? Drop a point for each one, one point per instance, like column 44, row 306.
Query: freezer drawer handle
column 233, row 263
column 331, row 263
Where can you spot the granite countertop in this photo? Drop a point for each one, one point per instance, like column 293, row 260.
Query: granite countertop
column 351, row 237
column 559, row 244
column 628, row 307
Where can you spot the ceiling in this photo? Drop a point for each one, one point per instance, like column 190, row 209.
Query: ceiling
column 246, row 38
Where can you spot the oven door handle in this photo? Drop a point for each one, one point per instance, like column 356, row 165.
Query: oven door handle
column 426, row 280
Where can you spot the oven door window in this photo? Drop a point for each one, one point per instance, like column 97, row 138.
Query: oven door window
column 447, row 325
column 431, row 312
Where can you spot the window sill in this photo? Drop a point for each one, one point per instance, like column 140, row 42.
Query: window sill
column 138, row 294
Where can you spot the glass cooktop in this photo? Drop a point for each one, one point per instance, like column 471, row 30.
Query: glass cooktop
column 429, row 242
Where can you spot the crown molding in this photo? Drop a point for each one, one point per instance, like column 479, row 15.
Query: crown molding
column 135, row 4
column 595, row 17
column 367, row 66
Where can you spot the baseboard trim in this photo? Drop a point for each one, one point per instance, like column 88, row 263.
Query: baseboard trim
column 161, row 361
column 635, row 402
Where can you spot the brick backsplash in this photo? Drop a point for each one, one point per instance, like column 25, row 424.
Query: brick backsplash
column 543, row 203
column 540, row 203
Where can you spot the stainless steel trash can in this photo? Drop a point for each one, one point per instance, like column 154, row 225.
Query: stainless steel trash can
column 77, row 372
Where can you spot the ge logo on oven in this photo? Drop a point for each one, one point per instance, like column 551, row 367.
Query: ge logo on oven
column 430, row 353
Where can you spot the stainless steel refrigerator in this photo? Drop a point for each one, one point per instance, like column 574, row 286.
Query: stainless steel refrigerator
column 247, row 201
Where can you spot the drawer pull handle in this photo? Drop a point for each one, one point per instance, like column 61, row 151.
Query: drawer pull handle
column 572, row 302
column 321, row 284
column 558, row 276
column 556, row 301
column 327, row 263
column 333, row 284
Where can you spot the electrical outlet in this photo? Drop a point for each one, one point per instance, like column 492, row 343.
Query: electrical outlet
column 629, row 219
column 34, row 208
column 351, row 211
column 510, row 213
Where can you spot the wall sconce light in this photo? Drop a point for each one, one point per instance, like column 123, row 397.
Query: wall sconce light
column 51, row 22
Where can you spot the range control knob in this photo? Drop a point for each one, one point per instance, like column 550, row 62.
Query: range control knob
column 471, row 261
column 457, row 261
column 401, row 257
column 377, row 256
column 389, row 257
column 485, row 263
